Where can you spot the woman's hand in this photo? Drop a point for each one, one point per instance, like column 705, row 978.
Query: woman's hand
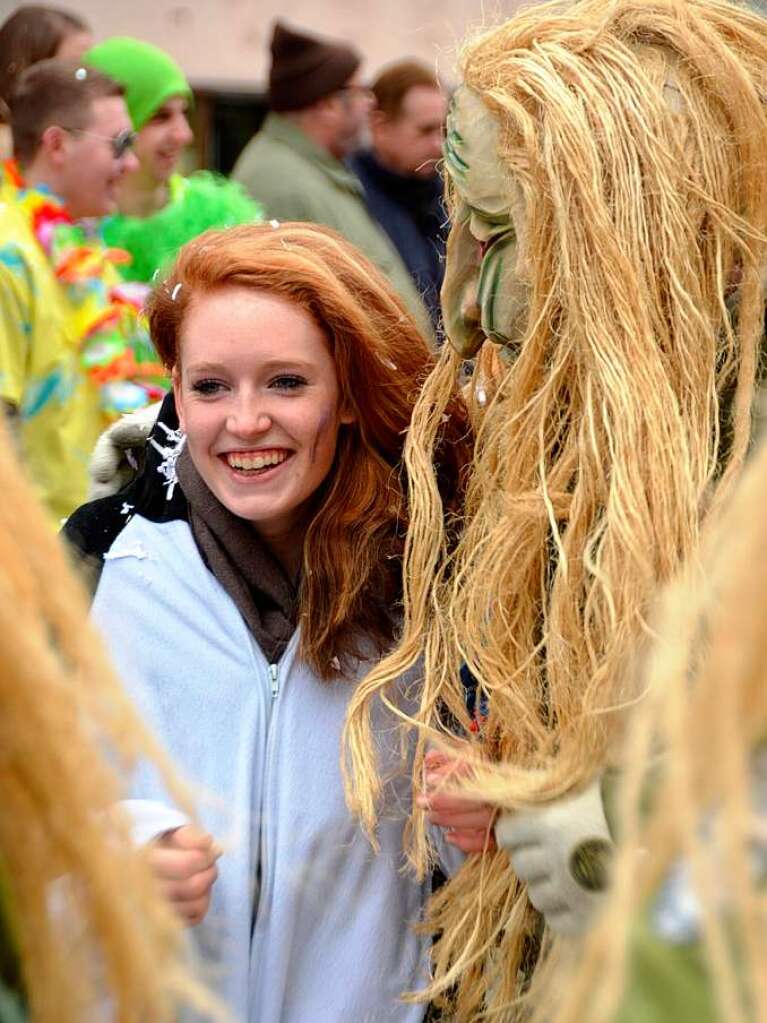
column 468, row 823
column 184, row 862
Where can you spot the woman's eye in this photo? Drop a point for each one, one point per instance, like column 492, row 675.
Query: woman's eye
column 207, row 386
column 287, row 383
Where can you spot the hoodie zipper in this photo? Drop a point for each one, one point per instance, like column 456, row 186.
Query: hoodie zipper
column 265, row 809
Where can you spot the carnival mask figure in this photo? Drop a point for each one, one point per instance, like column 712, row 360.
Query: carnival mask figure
column 606, row 162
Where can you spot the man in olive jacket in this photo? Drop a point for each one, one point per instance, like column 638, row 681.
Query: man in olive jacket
column 293, row 165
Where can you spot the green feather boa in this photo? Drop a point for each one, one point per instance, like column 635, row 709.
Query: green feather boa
column 201, row 201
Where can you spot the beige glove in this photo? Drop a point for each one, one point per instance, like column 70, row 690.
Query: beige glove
column 562, row 852
column 112, row 466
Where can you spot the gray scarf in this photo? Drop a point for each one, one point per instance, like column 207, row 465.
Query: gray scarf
column 242, row 563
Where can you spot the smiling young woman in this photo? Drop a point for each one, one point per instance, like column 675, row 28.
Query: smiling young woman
column 261, row 419
column 251, row 576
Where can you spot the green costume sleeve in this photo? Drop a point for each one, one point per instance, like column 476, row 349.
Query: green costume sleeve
column 10, row 1007
column 669, row 978
column 10, row 969
column 667, row 983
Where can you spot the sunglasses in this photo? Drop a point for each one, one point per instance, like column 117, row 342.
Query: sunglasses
column 121, row 143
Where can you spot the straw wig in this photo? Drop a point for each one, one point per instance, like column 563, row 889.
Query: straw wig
column 80, row 908
column 636, row 132
column 706, row 678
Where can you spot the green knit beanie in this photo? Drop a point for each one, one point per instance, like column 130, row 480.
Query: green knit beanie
column 148, row 75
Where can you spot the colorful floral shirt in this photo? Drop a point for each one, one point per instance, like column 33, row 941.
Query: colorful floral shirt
column 73, row 353
column 10, row 180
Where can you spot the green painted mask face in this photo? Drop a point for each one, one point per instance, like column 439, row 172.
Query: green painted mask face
column 483, row 295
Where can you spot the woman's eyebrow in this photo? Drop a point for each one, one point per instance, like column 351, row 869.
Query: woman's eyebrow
column 287, row 363
column 205, row 367
column 267, row 364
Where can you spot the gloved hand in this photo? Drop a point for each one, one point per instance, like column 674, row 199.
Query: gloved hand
column 111, row 466
column 562, row 852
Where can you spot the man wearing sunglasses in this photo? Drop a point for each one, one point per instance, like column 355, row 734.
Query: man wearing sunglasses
column 63, row 320
column 72, row 135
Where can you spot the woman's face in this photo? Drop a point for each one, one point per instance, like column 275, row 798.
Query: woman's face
column 258, row 398
column 162, row 140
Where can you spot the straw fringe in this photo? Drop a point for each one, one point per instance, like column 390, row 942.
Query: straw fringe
column 82, row 905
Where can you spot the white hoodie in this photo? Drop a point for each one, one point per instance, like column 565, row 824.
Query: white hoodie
column 307, row 924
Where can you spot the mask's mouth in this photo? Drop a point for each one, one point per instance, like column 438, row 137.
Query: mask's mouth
column 501, row 322
column 487, row 244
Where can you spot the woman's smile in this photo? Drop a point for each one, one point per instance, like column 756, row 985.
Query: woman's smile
column 257, row 396
column 259, row 464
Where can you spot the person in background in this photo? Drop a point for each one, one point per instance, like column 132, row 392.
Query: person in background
column 32, row 33
column 159, row 209
column 319, row 114
column 72, row 350
column 403, row 189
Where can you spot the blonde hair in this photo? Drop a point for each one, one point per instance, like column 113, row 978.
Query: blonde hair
column 706, row 690
column 637, row 132
column 84, row 914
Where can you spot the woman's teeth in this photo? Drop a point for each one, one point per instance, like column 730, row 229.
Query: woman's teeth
column 264, row 458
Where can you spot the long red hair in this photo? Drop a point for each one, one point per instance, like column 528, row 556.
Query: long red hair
column 351, row 581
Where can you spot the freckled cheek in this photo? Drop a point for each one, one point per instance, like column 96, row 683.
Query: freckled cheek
column 323, row 445
column 201, row 430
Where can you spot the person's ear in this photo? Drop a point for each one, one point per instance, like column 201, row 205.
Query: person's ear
column 55, row 144
column 378, row 122
column 347, row 416
column 175, row 376
column 326, row 108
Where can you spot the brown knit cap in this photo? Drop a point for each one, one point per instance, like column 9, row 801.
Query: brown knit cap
column 306, row 68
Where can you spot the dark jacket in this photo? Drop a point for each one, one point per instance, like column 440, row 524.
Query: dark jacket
column 411, row 211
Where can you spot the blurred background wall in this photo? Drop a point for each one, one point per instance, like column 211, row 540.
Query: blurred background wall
column 222, row 45
column 225, row 42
